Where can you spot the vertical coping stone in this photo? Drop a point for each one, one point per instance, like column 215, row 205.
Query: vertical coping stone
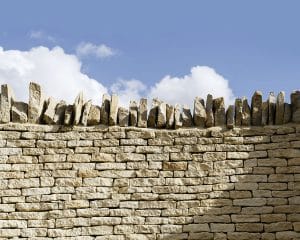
column 123, row 117
column 19, row 112
column 238, row 111
column 209, row 111
column 199, row 112
column 49, row 114
column 161, row 115
column 85, row 113
column 6, row 98
column 295, row 102
column 153, row 113
column 272, row 108
column 246, row 116
column 69, row 115
column 133, row 113
column 230, row 116
column 94, row 115
column 264, row 113
column 60, row 112
column 142, row 113
column 36, row 103
column 219, row 111
column 78, row 106
column 170, row 116
column 104, row 116
column 187, row 119
column 256, row 108
column 287, row 116
column 177, row 117
column 279, row 109
column 113, row 114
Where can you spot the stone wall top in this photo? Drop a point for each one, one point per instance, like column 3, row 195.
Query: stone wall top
column 212, row 112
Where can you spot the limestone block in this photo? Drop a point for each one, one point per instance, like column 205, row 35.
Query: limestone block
column 94, row 115
column 49, row 114
column 113, row 113
column 153, row 113
column 246, row 116
column 230, row 121
column 238, row 111
column 19, row 112
column 36, row 103
column 199, row 112
column 264, row 113
column 85, row 113
column 142, row 113
column 78, row 106
column 187, row 119
column 279, row 117
column 105, row 108
column 161, row 115
column 123, row 117
column 295, row 102
column 6, row 99
column 256, row 108
column 177, row 117
column 170, row 110
column 219, row 111
column 209, row 111
column 272, row 108
column 287, row 116
column 59, row 115
column 133, row 113
column 69, row 115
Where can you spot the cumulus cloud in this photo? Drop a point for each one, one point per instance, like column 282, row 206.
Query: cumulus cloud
column 41, row 35
column 85, row 49
column 58, row 73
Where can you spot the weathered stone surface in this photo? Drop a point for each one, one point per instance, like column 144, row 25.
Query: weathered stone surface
column 187, row 119
column 230, row 116
column 113, row 114
column 177, row 117
column 246, row 116
column 161, row 115
column 123, row 117
column 19, row 112
column 6, row 98
column 272, row 108
column 256, row 109
column 142, row 113
column 69, row 115
column 170, row 111
column 264, row 113
column 153, row 113
column 133, row 113
column 219, row 111
column 199, row 116
column 85, row 113
column 238, row 111
column 295, row 104
column 60, row 112
column 287, row 116
column 94, row 115
column 49, row 114
column 36, row 103
column 209, row 111
column 105, row 108
column 78, row 107
column 279, row 118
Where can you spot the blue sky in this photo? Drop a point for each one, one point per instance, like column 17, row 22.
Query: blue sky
column 253, row 44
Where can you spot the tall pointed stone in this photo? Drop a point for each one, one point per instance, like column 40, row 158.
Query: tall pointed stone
column 113, row 114
column 49, row 114
column 238, row 111
column 85, row 112
column 6, row 98
column 230, row 116
column 272, row 108
column 105, row 107
column 94, row 115
column 142, row 113
column 209, row 111
column 295, row 102
column 78, row 107
column 287, row 116
column 19, row 112
column 123, row 117
column 170, row 116
column 279, row 109
column 60, row 112
column 161, row 115
column 177, row 117
column 199, row 112
column 153, row 113
column 256, row 108
column 246, row 116
column 219, row 111
column 264, row 113
column 133, row 113
column 36, row 103
column 69, row 115
column 187, row 119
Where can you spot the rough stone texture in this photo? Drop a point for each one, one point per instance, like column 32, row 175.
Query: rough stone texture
column 177, row 117
column 256, row 109
column 170, row 111
column 85, row 113
column 19, row 112
column 152, row 117
column 113, row 113
column 264, row 113
column 295, row 102
column 187, row 118
column 287, row 113
column 132, row 183
column 49, row 114
column 78, row 107
column 36, row 103
column 69, row 115
column 279, row 118
column 272, row 108
column 230, row 116
column 142, row 113
column 123, row 117
column 94, row 115
column 6, row 99
column 133, row 113
column 238, row 112
column 219, row 111
column 199, row 116
column 209, row 111
column 161, row 115
column 60, row 112
column 246, row 116
column 104, row 116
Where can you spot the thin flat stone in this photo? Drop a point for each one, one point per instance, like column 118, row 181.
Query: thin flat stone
column 113, row 113
column 6, row 98
column 104, row 116
column 36, row 103
column 153, row 113
column 142, row 113
column 295, row 101
column 69, row 115
column 238, row 111
column 123, row 117
column 230, row 121
column 246, row 116
column 177, row 117
column 94, row 115
column 272, row 108
column 78, row 106
column 170, row 116
column 199, row 116
column 256, row 108
column 49, row 114
column 279, row 108
column 161, row 115
column 219, row 111
column 19, row 112
column 133, row 113
column 60, row 112
column 85, row 112
column 264, row 113
column 187, row 118
column 287, row 117
column 209, row 111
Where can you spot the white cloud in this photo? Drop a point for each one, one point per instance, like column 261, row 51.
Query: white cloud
column 41, row 35
column 99, row 51
column 58, row 73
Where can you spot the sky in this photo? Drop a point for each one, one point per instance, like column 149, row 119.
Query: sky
column 173, row 50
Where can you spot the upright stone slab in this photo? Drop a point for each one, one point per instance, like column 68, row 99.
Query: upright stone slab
column 246, row 116
column 230, row 116
column 105, row 107
column 153, row 113
column 287, row 116
column 6, row 98
column 170, row 116
column 161, row 115
column 187, row 118
column 272, row 108
column 133, row 113
column 94, row 116
column 78, row 107
column 36, row 103
column 264, row 113
column 209, row 111
column 85, row 112
column 238, row 111
column 60, row 112
column 113, row 114
column 69, row 115
column 219, row 111
column 256, row 108
column 142, row 113
column 279, row 109
column 123, row 117
column 49, row 114
column 19, row 112
column 295, row 102
column 177, row 117
column 199, row 112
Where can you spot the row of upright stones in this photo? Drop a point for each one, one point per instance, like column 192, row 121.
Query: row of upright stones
column 40, row 109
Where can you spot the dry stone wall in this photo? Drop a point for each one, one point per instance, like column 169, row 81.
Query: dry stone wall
column 121, row 183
